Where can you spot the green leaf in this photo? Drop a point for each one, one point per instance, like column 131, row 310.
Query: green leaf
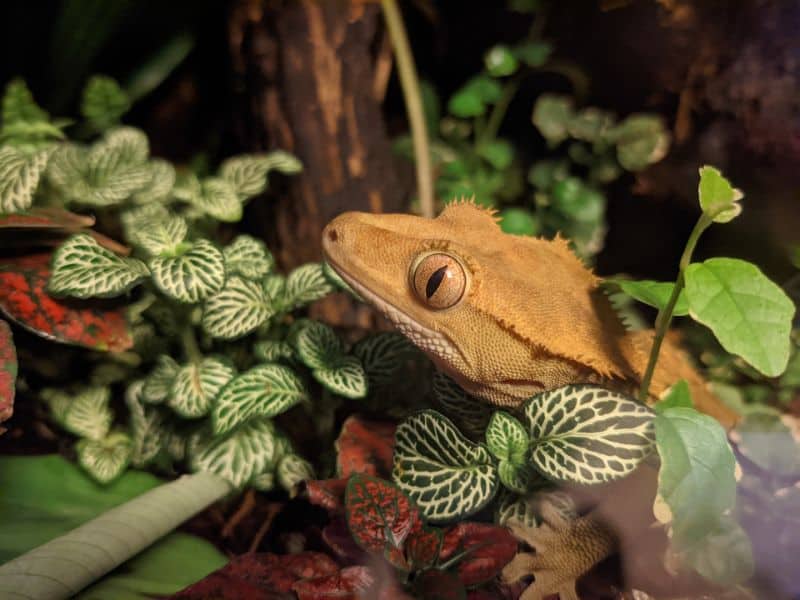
column 248, row 257
column 88, row 414
column 578, row 201
column 104, row 102
column 217, row 198
column 586, row 434
column 533, row 54
column 519, row 221
column 344, row 376
column 196, row 385
column 653, row 293
column 718, row 198
column 383, row 355
column 500, row 61
column 448, row 476
column 507, row 439
column 272, row 350
column 19, row 177
column 241, row 455
column 263, row 391
column 236, row 310
column 590, row 124
column 471, row 413
column 472, row 98
column 161, row 235
column 498, row 153
column 193, row 274
column 514, row 477
column 149, row 431
column 641, row 140
column 677, row 396
column 105, row 460
column 292, row 470
column 544, row 174
column 551, row 116
column 162, row 180
column 248, row 173
column 82, row 268
column 304, row 285
column 19, row 105
column 749, row 314
column 47, row 496
column 157, row 385
column 317, row 344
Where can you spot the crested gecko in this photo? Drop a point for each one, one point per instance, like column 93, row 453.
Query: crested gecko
column 506, row 317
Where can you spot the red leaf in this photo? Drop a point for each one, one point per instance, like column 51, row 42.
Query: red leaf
column 349, row 584
column 422, row 546
column 327, row 493
column 45, row 218
column 439, row 585
column 219, row 586
column 488, row 549
column 379, row 516
column 337, row 536
column 365, row 447
column 8, row 372
column 24, row 300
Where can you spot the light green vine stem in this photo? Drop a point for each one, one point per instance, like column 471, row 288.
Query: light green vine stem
column 64, row 566
column 413, row 99
column 664, row 317
column 499, row 112
column 190, row 347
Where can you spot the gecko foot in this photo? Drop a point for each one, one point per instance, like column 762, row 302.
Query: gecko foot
column 564, row 550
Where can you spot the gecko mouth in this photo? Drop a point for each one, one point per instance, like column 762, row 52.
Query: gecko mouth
column 433, row 342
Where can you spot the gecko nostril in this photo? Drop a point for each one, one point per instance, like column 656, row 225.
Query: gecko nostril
column 332, row 235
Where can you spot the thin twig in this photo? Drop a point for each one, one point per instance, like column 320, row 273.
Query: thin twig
column 272, row 511
column 245, row 508
column 409, row 81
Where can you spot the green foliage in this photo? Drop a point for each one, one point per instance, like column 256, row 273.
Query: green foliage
column 103, row 103
column 652, row 293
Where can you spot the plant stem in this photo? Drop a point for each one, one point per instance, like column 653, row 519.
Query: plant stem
column 409, row 81
column 190, row 347
column 664, row 317
column 499, row 112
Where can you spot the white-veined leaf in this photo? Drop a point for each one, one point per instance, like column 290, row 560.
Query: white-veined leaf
column 196, row 385
column 345, row 376
column 19, row 177
column 139, row 218
column 19, row 106
column 158, row 383
column 193, row 274
column 471, row 413
column 514, row 477
column 248, row 173
column 103, row 102
column 272, row 350
column 304, row 285
column 216, row 198
column 66, row 166
column 263, row 391
column 245, row 453
column 84, row 269
column 162, row 235
column 120, row 146
column 275, row 288
column 236, row 310
column 293, row 469
column 264, row 482
column 162, row 180
column 106, row 459
column 383, row 355
column 58, row 402
column 147, row 425
column 89, row 415
column 507, row 439
column 448, row 476
column 527, row 509
column 317, row 344
column 586, row 434
column 248, row 257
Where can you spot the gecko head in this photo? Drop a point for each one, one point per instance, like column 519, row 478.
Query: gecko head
column 475, row 299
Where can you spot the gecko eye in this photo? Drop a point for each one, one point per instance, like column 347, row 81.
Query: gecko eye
column 439, row 281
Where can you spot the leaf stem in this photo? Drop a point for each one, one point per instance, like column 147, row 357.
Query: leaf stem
column 190, row 347
column 409, row 82
column 499, row 112
column 664, row 317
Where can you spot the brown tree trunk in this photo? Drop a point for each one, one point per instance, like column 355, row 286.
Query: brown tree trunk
column 307, row 71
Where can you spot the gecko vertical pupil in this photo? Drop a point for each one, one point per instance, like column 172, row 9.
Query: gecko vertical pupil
column 439, row 280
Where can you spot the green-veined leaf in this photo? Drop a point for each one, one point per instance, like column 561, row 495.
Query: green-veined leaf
column 19, row 177
column 84, row 269
column 293, row 469
column 263, row 391
column 248, row 173
column 471, row 413
column 447, row 475
column 244, row 454
column 345, row 376
column 304, row 285
column 157, row 385
column 587, row 434
column 193, row 274
column 88, row 414
column 105, row 460
column 162, row 180
column 236, row 310
column 527, row 511
column 248, row 257
column 507, row 439
column 149, row 432
column 217, row 198
column 653, row 293
column 196, row 385
column 749, row 314
column 272, row 350
column 382, row 355
column 103, row 102
column 161, row 235
column 316, row 344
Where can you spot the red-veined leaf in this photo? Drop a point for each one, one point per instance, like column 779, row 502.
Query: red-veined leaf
column 365, row 447
column 439, row 585
column 379, row 516
column 422, row 546
column 350, row 583
column 24, row 300
column 8, row 372
column 486, row 548
column 327, row 493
